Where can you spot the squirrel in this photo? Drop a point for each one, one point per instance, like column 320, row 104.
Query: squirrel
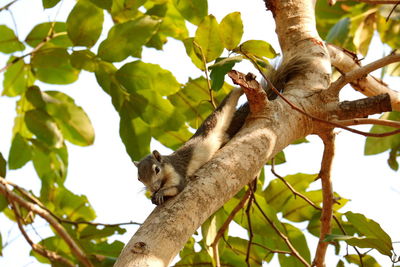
column 166, row 176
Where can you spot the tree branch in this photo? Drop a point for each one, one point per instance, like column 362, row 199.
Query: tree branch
column 51, row 255
column 327, row 197
column 75, row 249
column 362, row 72
column 345, row 61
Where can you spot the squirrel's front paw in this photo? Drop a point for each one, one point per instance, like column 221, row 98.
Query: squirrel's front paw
column 157, row 198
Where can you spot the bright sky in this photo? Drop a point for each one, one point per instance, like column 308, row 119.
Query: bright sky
column 105, row 174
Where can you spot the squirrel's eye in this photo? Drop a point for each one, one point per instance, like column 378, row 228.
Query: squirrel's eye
column 157, row 169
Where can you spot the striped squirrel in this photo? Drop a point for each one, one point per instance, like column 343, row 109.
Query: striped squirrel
column 166, row 176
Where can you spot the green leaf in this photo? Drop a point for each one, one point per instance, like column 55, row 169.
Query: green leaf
column 3, row 167
column 171, row 139
column 44, row 127
column 17, row 78
column 84, row 59
column 190, row 51
column 56, row 30
column 104, row 4
column 367, row 260
column 50, row 165
column 207, row 37
column 130, row 37
column 92, row 232
column 1, row 239
column 277, row 193
column 379, row 145
column 85, row 23
column 278, row 158
column 361, row 242
column 125, row 10
column 52, row 65
column 210, row 228
column 9, row 42
column 20, row 152
column 392, row 160
column 74, row 123
column 371, row 230
column 236, row 254
column 156, row 110
column 137, row 75
column 105, row 75
column 298, row 240
column 135, row 134
column 193, row 11
column 364, row 33
column 231, row 30
column 257, row 48
column 35, row 97
column 49, row 3
column 339, row 32
column 220, row 69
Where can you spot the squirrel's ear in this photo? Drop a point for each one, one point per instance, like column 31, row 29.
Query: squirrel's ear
column 136, row 163
column 157, row 155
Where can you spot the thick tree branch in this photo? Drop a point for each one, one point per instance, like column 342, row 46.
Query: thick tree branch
column 346, row 62
column 75, row 249
column 327, row 197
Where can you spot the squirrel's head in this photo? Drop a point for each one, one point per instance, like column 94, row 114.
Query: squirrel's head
column 150, row 171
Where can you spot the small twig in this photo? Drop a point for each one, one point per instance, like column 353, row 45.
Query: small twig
column 7, row 6
column 250, row 228
column 271, row 250
column 391, row 11
column 375, row 2
column 75, row 249
column 327, row 197
column 346, row 78
column 359, row 121
column 51, row 255
column 210, row 91
column 313, row 117
column 293, row 250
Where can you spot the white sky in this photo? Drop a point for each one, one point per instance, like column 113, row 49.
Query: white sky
column 105, row 174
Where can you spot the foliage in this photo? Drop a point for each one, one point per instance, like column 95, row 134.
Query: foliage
column 151, row 103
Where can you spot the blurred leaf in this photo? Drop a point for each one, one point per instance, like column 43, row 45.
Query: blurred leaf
column 84, row 59
column 9, row 42
column 105, row 75
column 49, row 3
column 393, row 69
column 92, row 232
column 210, row 228
column 56, row 30
column 125, row 10
column 389, row 31
column 339, row 32
column 277, row 193
column 278, row 159
column 130, row 37
column 85, row 23
column 34, row 96
column 1, row 239
column 220, row 69
column 44, row 127
column 52, row 65
column 20, row 152
column 231, row 30
column 3, row 168
column 379, row 145
column 364, row 33
column 137, row 75
column 236, row 254
column 110, row 250
column 193, row 11
column 256, row 48
column 392, row 160
column 74, row 123
column 135, row 134
column 17, row 78
column 104, row 4
column 367, row 260
column 50, row 165
column 371, row 230
column 207, row 37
